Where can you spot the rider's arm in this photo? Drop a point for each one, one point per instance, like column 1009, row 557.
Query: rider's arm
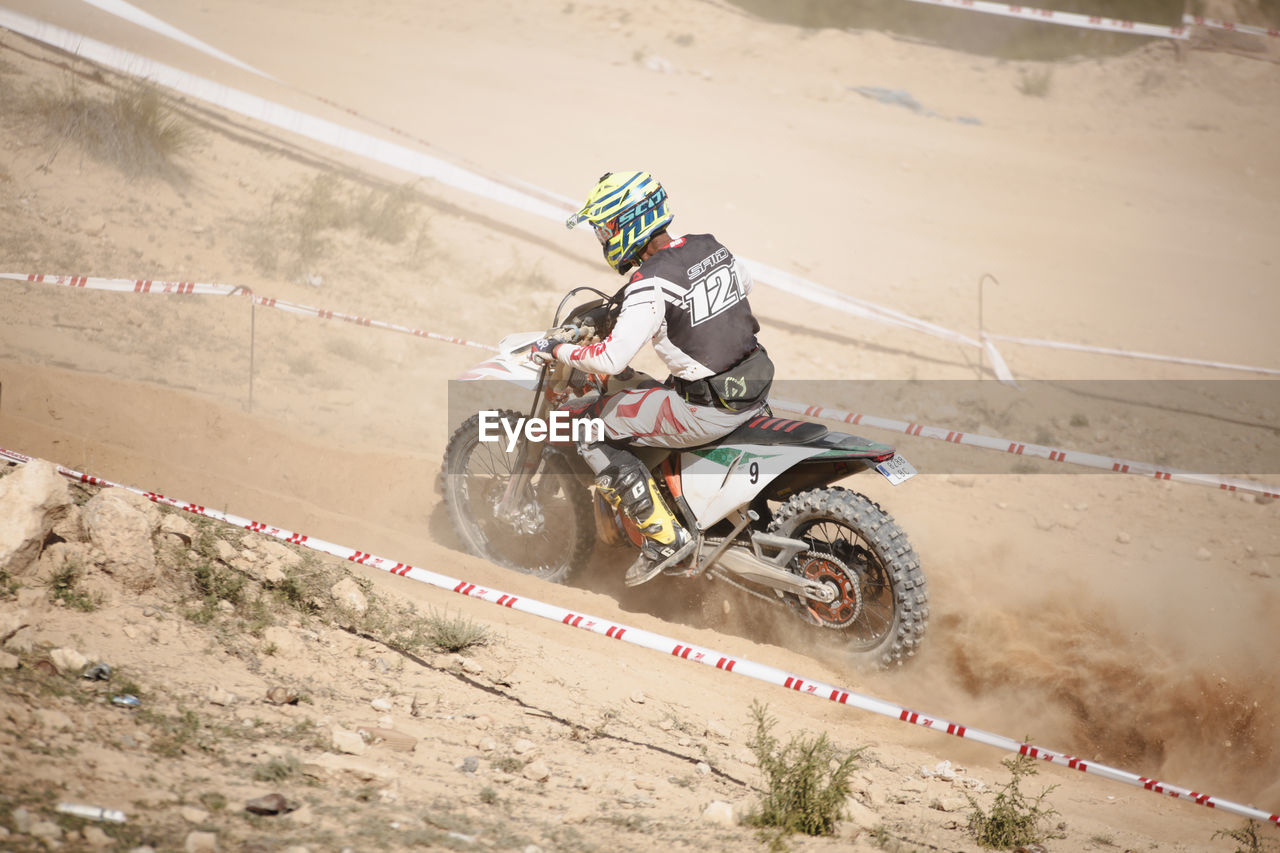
column 744, row 276
column 639, row 319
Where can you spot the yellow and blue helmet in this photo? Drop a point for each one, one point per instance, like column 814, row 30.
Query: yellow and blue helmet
column 626, row 209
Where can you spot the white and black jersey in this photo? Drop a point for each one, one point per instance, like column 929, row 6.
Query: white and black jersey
column 690, row 299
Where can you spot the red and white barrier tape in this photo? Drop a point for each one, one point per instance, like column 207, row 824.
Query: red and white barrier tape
column 1069, row 19
column 685, row 651
column 119, row 285
column 1217, row 24
column 538, row 202
column 1053, row 454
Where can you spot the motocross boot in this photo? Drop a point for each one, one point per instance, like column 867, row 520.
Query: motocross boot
column 666, row 542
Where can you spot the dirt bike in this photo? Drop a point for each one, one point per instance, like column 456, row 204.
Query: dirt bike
column 760, row 502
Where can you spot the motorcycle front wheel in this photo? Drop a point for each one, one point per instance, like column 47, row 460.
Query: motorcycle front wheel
column 881, row 604
column 554, row 529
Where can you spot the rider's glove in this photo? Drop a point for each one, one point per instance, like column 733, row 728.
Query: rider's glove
column 544, row 351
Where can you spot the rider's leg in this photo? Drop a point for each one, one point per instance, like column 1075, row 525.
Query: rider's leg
column 626, row 484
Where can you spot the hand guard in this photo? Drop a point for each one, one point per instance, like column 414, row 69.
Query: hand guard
column 543, row 351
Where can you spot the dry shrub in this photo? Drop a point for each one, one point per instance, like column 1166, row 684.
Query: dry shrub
column 135, row 131
column 807, row 781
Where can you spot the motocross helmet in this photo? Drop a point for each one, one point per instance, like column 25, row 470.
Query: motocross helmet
column 626, row 209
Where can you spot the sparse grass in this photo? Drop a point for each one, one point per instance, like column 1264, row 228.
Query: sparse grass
column 173, row 735
column 213, row 801
column 9, row 585
column 295, row 235
column 276, row 769
column 1035, row 83
column 1014, row 818
column 63, row 587
column 1247, row 839
column 806, row 782
column 488, row 796
column 303, row 586
column 456, row 633
column 509, row 764
column 135, row 131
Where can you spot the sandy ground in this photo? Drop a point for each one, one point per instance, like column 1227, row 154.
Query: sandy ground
column 1135, row 206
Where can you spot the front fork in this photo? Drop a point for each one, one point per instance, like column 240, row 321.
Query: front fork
column 517, row 506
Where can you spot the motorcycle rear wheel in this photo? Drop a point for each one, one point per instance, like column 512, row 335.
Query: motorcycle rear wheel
column 882, row 606
column 475, row 474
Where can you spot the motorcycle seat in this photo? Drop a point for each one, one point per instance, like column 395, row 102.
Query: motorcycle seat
column 770, row 430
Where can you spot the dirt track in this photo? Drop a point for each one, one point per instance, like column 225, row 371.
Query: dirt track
column 1111, row 617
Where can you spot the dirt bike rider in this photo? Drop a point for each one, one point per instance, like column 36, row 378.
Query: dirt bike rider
column 689, row 297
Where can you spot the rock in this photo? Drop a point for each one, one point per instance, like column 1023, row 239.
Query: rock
column 471, row 667
column 278, row 555
column 382, row 704
column 522, row 746
column 219, row 696
column 1123, row 538
column 224, row 552
column 96, row 838
column 269, row 804
column 389, row 737
column 71, row 525
column 347, row 595
column 703, row 768
column 191, row 814
column 21, row 818
column 68, row 660
column 720, row 813
column 8, row 661
column 536, row 771
column 201, row 842
column 282, row 696
column 32, row 499
column 1203, row 554
column 351, row 743
column 46, row 829
column 120, row 524
column 179, row 528
column 638, row 697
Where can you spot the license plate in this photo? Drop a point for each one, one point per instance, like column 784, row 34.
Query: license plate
column 896, row 470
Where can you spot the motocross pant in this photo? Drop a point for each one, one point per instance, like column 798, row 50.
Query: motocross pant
column 659, row 417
